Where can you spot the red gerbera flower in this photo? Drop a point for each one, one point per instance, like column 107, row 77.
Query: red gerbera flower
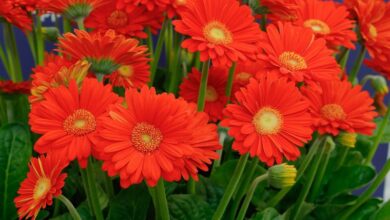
column 44, row 181
column 380, row 65
column 281, row 10
column 175, row 6
column 10, row 87
column 341, row 107
column 153, row 137
column 221, row 30
column 69, row 119
column 72, row 9
column 270, row 120
column 244, row 72
column 151, row 5
column 294, row 53
column 15, row 15
column 129, row 22
column 215, row 94
column 329, row 21
column 106, row 51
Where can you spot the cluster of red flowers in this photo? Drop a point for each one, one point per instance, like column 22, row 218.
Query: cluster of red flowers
column 286, row 85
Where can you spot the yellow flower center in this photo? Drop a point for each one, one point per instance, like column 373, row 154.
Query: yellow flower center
column 145, row 137
column 333, row 112
column 217, row 33
column 42, row 187
column 211, row 94
column 117, row 19
column 318, row 26
column 243, row 76
column 126, row 71
column 181, row 2
column 292, row 61
column 267, row 121
column 372, row 31
column 80, row 122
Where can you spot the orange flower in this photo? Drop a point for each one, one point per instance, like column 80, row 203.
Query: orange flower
column 155, row 136
column 380, row 66
column 221, row 30
column 215, row 94
column 69, row 119
column 374, row 22
column 151, row 5
column 341, row 107
column 7, row 86
column 129, row 22
column 329, row 21
column 44, row 181
column 293, row 53
column 106, row 51
column 15, row 15
column 175, row 6
column 281, row 10
column 244, row 72
column 270, row 120
column 72, row 9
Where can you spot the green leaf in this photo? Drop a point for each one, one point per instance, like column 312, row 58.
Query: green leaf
column 383, row 213
column 131, row 203
column 365, row 211
column 266, row 214
column 349, row 178
column 15, row 153
column 188, row 207
column 210, row 192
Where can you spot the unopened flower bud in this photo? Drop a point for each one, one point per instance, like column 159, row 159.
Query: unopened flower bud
column 347, row 139
column 282, row 175
column 379, row 83
column 50, row 33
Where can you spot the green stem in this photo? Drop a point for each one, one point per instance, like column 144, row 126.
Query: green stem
column 302, row 168
column 152, row 192
column 234, row 180
column 93, row 191
column 369, row 192
column 150, row 41
column 355, row 70
column 109, row 188
column 80, row 23
column 72, row 210
column 67, row 26
column 31, row 43
column 174, row 70
column 84, row 179
column 379, row 136
column 13, row 54
column 40, row 50
column 191, row 186
column 343, row 155
column 197, row 60
column 344, row 58
column 329, row 146
column 229, row 84
column 157, row 53
column 203, row 86
column 161, row 199
column 309, row 181
column 249, row 195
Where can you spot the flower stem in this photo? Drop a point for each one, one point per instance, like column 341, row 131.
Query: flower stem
column 150, row 41
column 355, row 70
column 152, row 192
column 67, row 26
column 80, row 23
column 13, row 54
column 157, row 53
column 344, row 58
column 229, row 84
column 379, row 136
column 343, row 155
column 40, row 49
column 203, row 86
column 91, row 181
column 231, row 187
column 306, row 187
column 280, row 195
column 249, row 196
column 369, row 192
column 161, row 199
column 72, row 210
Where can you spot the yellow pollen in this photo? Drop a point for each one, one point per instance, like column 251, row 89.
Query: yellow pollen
column 243, row 76
column 333, row 112
column 145, row 137
column 80, row 122
column 211, row 94
column 292, row 61
column 372, row 31
column 267, row 121
column 126, row 71
column 318, row 26
column 117, row 19
column 42, row 187
column 217, row 33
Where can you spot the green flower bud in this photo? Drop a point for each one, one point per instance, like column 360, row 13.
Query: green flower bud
column 282, row 175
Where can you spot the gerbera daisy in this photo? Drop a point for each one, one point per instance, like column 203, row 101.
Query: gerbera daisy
column 44, row 181
column 106, row 51
column 221, row 30
column 153, row 137
column 380, row 66
column 374, row 22
column 215, row 94
column 270, row 120
column 151, row 5
column 72, row 9
column 129, row 22
column 292, row 52
column 244, row 72
column 328, row 20
column 15, row 15
column 175, row 6
column 341, row 107
column 10, row 87
column 69, row 119
column 281, row 10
